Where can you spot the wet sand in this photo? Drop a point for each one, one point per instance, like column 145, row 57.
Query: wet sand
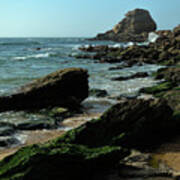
column 42, row 136
column 169, row 153
column 33, row 137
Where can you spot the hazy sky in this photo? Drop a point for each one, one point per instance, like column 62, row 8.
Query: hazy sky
column 72, row 18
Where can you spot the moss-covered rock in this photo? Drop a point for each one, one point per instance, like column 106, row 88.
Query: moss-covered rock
column 58, row 112
column 171, row 74
column 65, row 161
column 173, row 99
column 129, row 123
column 98, row 92
column 64, row 88
column 157, row 89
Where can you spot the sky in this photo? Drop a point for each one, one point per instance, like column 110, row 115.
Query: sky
column 77, row 18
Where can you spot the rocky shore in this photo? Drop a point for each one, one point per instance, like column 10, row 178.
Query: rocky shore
column 165, row 51
column 125, row 142
column 117, row 145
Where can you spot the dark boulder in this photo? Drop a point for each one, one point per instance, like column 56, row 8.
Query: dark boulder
column 171, row 74
column 158, row 90
column 137, row 75
column 65, row 88
column 132, row 123
column 98, row 92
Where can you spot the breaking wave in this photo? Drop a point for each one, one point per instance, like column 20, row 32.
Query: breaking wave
column 39, row 56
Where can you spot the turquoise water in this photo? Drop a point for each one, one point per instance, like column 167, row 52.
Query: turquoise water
column 21, row 62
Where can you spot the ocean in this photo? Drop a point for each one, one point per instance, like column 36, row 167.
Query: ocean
column 25, row 59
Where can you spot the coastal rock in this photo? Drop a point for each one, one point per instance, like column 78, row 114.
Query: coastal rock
column 171, row 74
column 94, row 148
column 137, row 75
column 176, row 30
column 137, row 119
column 64, row 88
column 128, row 123
column 173, row 99
column 158, row 90
column 164, row 51
column 134, row 27
column 98, row 92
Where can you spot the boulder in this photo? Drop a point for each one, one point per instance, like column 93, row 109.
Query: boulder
column 173, row 99
column 171, row 74
column 134, row 27
column 98, row 92
column 131, row 123
column 64, row 88
column 136, row 75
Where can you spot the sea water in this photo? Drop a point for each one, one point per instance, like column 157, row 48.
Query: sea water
column 25, row 59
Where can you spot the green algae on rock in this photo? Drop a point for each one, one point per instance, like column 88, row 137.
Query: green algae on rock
column 66, row 161
column 129, row 123
column 171, row 74
column 94, row 147
column 159, row 88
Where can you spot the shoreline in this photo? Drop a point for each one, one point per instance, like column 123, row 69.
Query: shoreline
column 42, row 136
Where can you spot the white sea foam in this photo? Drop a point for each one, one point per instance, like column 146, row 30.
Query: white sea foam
column 36, row 56
column 130, row 43
column 117, row 45
column 152, row 37
column 21, row 138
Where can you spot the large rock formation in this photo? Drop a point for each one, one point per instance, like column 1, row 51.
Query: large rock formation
column 66, row 88
column 134, row 27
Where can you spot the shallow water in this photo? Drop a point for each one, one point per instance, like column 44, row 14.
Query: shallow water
column 25, row 59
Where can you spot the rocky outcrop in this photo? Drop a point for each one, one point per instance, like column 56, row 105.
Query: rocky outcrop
column 171, row 74
column 169, row 89
column 93, row 148
column 98, row 92
column 136, row 75
column 134, row 27
column 63, row 88
column 165, row 51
